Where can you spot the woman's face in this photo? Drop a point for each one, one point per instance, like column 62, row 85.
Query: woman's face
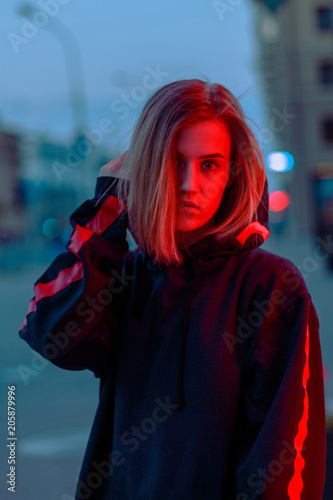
column 203, row 158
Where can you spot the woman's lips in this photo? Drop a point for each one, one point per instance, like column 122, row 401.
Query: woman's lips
column 188, row 207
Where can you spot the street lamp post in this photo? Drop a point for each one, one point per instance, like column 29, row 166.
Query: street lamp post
column 74, row 67
column 75, row 78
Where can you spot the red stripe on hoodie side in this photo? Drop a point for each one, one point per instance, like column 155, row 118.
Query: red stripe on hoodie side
column 296, row 485
column 253, row 228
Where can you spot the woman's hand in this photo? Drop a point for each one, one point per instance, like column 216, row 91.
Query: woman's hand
column 114, row 168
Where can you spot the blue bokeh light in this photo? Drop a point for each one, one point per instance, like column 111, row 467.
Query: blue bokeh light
column 280, row 161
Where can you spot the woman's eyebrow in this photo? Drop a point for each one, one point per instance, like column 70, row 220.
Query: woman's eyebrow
column 211, row 155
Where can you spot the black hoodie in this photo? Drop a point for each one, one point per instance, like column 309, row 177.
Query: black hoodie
column 211, row 379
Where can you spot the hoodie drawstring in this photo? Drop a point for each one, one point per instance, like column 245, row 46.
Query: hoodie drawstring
column 139, row 307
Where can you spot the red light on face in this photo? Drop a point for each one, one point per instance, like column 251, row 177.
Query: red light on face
column 278, row 201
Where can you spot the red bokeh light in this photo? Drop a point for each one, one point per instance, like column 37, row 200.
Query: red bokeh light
column 278, row 201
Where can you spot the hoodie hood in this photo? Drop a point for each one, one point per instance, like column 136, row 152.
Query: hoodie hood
column 251, row 236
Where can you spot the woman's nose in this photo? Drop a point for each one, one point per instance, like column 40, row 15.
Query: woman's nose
column 188, row 178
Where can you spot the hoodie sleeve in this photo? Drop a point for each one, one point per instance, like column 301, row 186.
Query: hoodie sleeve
column 282, row 447
column 73, row 317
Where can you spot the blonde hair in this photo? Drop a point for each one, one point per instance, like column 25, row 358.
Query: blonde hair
column 151, row 196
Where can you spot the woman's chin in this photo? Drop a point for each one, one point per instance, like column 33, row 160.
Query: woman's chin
column 186, row 227
column 188, row 224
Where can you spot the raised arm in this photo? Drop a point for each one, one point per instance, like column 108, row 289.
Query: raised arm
column 74, row 316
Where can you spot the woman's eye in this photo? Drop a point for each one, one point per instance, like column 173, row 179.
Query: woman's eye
column 205, row 165
column 209, row 165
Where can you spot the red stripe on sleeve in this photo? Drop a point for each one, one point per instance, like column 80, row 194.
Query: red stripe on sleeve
column 295, row 486
column 24, row 324
column 254, row 227
column 78, row 238
column 65, row 277
column 105, row 216
column 32, row 305
column 43, row 290
column 31, row 308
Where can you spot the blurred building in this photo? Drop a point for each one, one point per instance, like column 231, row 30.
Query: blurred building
column 57, row 178
column 296, row 62
column 11, row 195
column 42, row 183
column 46, row 197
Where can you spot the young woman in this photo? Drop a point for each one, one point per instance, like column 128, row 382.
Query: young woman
column 207, row 347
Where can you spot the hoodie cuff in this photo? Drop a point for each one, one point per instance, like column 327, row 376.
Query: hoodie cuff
column 107, row 184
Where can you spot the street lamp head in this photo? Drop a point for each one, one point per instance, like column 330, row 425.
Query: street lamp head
column 26, row 10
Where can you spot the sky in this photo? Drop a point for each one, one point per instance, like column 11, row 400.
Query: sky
column 106, row 50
